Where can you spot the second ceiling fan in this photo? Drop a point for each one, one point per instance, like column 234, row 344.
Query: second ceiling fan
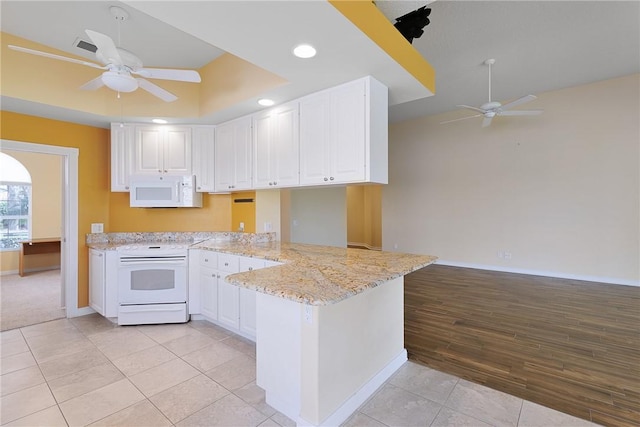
column 491, row 109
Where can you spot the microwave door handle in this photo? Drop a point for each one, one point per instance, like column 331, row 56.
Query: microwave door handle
column 178, row 192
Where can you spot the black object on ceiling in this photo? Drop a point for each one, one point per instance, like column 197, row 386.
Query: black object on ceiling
column 411, row 25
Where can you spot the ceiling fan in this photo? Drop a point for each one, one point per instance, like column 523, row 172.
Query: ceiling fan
column 120, row 65
column 491, row 109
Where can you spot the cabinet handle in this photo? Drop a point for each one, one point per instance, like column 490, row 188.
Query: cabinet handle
column 226, row 264
column 100, row 255
column 206, row 260
column 331, row 178
column 325, row 178
column 126, row 187
column 199, row 188
column 250, row 268
column 159, row 170
column 275, row 183
column 165, row 171
column 218, row 276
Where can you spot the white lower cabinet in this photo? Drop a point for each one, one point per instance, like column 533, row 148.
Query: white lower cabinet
column 103, row 285
column 219, row 302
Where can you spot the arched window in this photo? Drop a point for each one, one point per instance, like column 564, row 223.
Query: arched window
column 15, row 203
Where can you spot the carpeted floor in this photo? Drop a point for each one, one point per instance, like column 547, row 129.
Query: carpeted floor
column 31, row 299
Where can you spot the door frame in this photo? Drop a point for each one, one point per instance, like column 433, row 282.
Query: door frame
column 69, row 235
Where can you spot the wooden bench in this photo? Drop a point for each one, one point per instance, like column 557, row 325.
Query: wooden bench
column 35, row 247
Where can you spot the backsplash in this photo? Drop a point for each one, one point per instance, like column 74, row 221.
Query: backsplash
column 179, row 236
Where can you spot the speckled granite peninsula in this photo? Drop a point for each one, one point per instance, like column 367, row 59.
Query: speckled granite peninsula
column 316, row 275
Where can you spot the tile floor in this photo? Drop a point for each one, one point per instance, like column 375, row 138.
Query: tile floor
column 87, row 371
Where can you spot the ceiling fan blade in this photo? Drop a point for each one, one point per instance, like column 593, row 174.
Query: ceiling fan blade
column 468, row 107
column 519, row 101
column 94, row 84
column 520, row 113
column 462, row 118
column 53, row 56
column 106, row 47
column 487, row 121
column 169, row 74
column 156, row 90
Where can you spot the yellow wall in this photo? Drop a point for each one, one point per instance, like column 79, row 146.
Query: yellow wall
column 364, row 216
column 93, row 171
column 243, row 212
column 46, row 207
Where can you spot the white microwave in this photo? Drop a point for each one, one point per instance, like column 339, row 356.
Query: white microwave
column 164, row 191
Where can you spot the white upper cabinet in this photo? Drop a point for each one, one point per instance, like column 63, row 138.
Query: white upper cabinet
column 122, row 145
column 203, row 157
column 276, row 147
column 233, row 155
column 162, row 149
column 344, row 134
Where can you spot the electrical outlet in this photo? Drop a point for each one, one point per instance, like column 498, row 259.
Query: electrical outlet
column 267, row 226
column 308, row 314
column 507, row 255
column 97, row 227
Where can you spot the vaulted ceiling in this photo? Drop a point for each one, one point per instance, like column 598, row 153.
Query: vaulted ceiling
column 538, row 46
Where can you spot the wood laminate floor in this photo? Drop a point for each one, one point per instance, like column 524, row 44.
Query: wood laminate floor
column 570, row 345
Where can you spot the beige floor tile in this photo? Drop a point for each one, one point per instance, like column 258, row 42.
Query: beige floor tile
column 84, row 381
column 78, row 361
column 143, row 360
column 100, row 403
column 228, row 411
column 19, row 380
column 92, row 324
column 58, row 344
column 25, row 402
column 491, row 406
column 424, row 381
column 10, row 335
column 47, row 328
column 395, row 406
column 13, row 347
column 241, row 344
column 211, row 356
column 255, row 396
column 16, row 362
column 450, row 418
column 235, row 373
column 50, row 417
column 534, row 415
column 162, row 377
column 269, row 422
column 189, row 343
column 283, row 420
column 164, row 333
column 361, row 420
column 214, row 331
column 121, row 341
column 142, row 414
column 184, row 399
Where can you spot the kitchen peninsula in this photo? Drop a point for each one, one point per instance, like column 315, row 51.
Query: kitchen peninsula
column 329, row 321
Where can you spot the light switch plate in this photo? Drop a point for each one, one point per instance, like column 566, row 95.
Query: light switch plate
column 97, row 227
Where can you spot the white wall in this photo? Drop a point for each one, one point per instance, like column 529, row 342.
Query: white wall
column 560, row 192
column 319, row 216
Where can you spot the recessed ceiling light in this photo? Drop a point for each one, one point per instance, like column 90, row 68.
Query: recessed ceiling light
column 265, row 102
column 159, row 121
column 304, row 51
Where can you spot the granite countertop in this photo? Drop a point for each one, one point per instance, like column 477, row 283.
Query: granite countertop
column 316, row 275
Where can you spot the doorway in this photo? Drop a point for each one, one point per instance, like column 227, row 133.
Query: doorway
column 69, row 214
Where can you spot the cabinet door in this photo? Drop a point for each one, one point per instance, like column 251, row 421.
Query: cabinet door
column 262, row 150
column 176, row 151
column 242, row 150
column 97, row 280
column 228, row 303
column 122, row 143
column 224, row 157
column 209, row 293
column 248, row 312
column 148, row 150
column 347, row 141
column 202, row 150
column 286, row 146
column 314, row 139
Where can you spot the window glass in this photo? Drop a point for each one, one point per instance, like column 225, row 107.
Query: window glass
column 15, row 202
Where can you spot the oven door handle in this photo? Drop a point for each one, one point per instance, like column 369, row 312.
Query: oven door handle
column 125, row 261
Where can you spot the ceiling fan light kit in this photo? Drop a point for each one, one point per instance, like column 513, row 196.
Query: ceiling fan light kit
column 491, row 109
column 120, row 64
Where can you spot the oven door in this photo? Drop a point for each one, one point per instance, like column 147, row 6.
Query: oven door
column 152, row 280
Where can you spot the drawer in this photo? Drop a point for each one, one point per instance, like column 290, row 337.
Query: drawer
column 228, row 263
column 209, row 259
column 248, row 264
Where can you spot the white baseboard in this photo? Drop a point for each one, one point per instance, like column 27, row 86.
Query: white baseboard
column 608, row 280
column 354, row 402
column 82, row 311
column 30, row 270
